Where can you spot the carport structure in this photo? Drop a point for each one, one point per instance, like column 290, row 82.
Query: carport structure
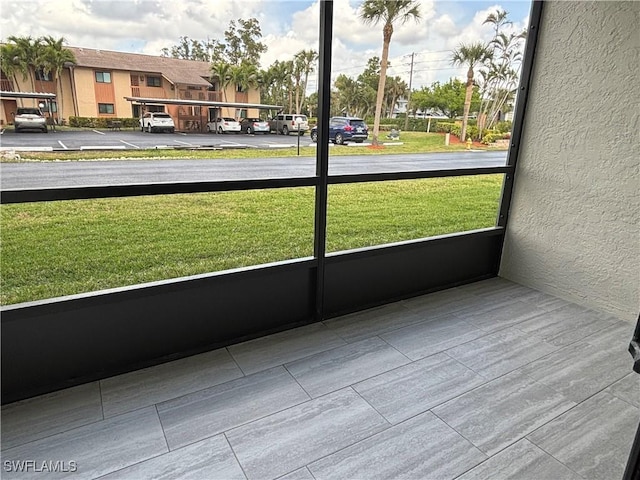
column 193, row 115
column 10, row 108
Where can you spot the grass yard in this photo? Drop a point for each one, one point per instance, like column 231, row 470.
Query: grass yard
column 52, row 249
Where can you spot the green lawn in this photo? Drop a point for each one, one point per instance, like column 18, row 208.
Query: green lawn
column 59, row 248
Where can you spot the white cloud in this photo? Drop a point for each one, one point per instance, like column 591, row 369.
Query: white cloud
column 147, row 26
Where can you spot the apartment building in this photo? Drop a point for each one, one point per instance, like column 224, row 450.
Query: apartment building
column 119, row 85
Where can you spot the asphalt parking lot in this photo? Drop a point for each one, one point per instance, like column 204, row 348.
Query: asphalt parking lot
column 135, row 139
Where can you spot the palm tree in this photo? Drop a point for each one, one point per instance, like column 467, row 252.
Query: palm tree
column 296, row 78
column 396, row 88
column 307, row 61
column 222, row 70
column 54, row 58
column 281, row 76
column 9, row 64
column 473, row 55
column 28, row 51
column 387, row 11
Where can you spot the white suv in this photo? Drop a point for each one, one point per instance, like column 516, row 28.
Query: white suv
column 157, row 121
column 287, row 123
column 29, row 119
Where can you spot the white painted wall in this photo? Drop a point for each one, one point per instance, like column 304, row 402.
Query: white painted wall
column 574, row 224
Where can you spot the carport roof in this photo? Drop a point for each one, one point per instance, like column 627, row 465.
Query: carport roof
column 45, row 96
column 201, row 103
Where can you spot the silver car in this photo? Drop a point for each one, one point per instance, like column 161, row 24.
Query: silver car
column 30, row 118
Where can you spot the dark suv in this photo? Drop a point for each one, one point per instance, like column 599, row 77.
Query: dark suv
column 344, row 129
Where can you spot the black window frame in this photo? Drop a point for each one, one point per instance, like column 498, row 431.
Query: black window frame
column 153, row 81
column 112, row 112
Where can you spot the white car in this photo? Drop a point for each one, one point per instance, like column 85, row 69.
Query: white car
column 157, row 122
column 224, row 125
column 29, row 119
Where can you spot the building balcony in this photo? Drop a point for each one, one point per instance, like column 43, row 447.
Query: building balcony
column 487, row 380
column 207, row 96
column 148, row 92
column 6, row 85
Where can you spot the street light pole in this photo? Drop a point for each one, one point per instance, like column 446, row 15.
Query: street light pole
column 298, row 122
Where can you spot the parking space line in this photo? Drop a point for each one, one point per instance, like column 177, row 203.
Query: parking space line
column 130, row 144
column 62, row 145
column 184, row 143
column 98, row 131
column 102, row 147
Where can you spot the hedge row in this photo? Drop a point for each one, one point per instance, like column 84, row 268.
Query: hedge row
column 102, row 122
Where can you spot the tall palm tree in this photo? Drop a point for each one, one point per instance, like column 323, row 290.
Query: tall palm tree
column 472, row 55
column 54, row 58
column 307, row 60
column 29, row 51
column 296, row 77
column 281, row 77
column 388, row 12
column 222, row 70
column 9, row 64
column 396, row 88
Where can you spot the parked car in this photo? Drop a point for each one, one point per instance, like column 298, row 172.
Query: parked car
column 254, row 125
column 285, row 123
column 224, row 125
column 157, row 122
column 29, row 118
column 344, row 129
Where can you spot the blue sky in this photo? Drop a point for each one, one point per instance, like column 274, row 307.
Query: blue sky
column 146, row 26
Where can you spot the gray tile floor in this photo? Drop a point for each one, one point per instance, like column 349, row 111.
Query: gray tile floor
column 487, row 381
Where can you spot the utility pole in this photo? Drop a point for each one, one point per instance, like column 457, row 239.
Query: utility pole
column 406, row 117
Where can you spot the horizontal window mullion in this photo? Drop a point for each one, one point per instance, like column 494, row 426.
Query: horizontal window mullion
column 110, row 191
column 415, row 175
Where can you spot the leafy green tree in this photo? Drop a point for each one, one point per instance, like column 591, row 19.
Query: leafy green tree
column 472, row 55
column 444, row 98
column 243, row 42
column 241, row 45
column 388, row 12
column 199, row 50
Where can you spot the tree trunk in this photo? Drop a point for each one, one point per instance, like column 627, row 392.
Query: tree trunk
column 467, row 105
column 59, row 100
column 386, row 33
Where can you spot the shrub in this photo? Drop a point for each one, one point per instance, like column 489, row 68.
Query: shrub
column 504, row 127
column 492, row 135
column 101, row 122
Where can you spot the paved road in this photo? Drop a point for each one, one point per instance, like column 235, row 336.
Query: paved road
column 134, row 139
column 119, row 172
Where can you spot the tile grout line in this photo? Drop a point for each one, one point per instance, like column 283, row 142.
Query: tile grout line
column 235, row 455
column 551, row 455
column 234, row 360
column 101, row 398
column 164, row 434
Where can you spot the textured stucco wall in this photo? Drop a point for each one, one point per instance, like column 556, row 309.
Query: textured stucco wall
column 574, row 224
